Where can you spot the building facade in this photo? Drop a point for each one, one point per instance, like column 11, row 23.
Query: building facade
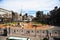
column 5, row 15
column 33, row 34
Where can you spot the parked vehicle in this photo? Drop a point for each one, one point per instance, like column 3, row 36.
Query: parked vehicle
column 17, row 38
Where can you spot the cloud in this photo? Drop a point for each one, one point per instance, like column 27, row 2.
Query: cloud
column 27, row 5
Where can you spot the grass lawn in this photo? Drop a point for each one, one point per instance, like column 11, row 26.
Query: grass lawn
column 39, row 23
column 7, row 23
column 36, row 22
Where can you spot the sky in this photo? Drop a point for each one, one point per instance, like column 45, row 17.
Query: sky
column 29, row 6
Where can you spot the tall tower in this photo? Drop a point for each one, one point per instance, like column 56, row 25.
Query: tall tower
column 21, row 14
column 21, row 10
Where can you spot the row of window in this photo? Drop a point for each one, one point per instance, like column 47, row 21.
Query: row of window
column 29, row 31
column 33, row 31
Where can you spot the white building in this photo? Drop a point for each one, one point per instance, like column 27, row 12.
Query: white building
column 30, row 18
column 5, row 13
column 32, row 33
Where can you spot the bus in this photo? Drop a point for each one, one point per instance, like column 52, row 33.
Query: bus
column 17, row 38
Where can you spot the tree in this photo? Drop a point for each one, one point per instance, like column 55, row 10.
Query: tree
column 20, row 14
column 26, row 14
column 55, row 16
column 45, row 39
column 39, row 16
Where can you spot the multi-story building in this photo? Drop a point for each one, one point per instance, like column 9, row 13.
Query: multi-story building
column 27, row 18
column 15, row 16
column 21, row 17
column 39, row 14
column 32, row 32
column 5, row 15
column 30, row 18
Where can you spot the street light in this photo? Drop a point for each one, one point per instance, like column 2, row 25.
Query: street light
column 47, row 34
column 35, row 29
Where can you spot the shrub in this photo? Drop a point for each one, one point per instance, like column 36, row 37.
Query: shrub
column 45, row 39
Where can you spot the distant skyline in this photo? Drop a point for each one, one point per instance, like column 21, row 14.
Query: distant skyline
column 29, row 6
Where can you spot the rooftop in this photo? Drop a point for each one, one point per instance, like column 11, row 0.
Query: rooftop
column 28, row 26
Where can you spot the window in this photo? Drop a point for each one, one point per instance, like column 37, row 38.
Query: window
column 28, row 31
column 0, row 28
column 43, row 31
column 21, row 30
column 14, row 31
column 50, row 34
column 37, row 31
column 5, row 32
column 55, row 32
column 32, row 31
column 17, row 30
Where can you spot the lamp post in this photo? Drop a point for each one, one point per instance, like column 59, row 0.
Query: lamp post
column 35, row 29
column 47, row 34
